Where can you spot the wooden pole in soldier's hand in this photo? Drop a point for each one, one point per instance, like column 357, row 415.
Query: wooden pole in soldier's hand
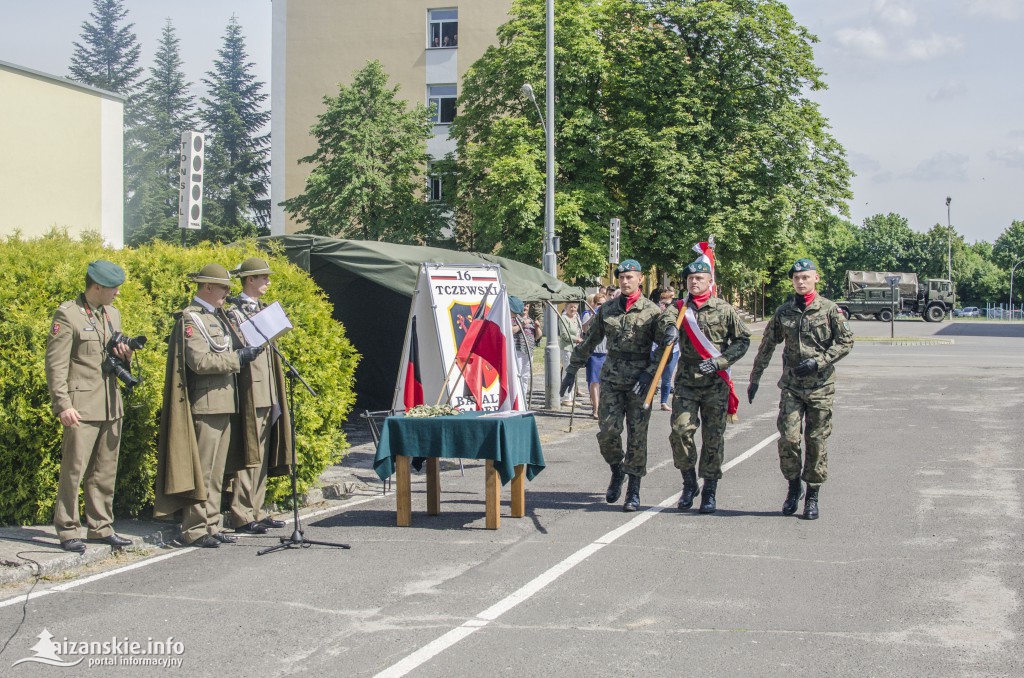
column 666, row 354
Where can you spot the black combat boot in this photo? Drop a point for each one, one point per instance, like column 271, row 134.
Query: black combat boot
column 615, row 486
column 632, row 494
column 811, row 503
column 793, row 497
column 689, row 489
column 707, row 497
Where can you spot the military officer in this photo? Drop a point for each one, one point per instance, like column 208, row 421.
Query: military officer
column 262, row 398
column 630, row 323
column 86, row 399
column 200, row 403
column 816, row 335
column 704, row 394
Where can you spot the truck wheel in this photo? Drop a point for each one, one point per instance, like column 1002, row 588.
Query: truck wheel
column 935, row 314
column 885, row 315
column 846, row 312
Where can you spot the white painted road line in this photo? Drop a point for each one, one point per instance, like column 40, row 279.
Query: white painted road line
column 439, row 645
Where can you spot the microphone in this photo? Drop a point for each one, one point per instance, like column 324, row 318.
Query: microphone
column 237, row 301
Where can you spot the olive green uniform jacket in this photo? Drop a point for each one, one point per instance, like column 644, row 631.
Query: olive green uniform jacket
column 630, row 336
column 723, row 327
column 819, row 331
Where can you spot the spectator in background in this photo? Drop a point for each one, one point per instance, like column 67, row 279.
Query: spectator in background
column 569, row 330
column 596, row 360
column 524, row 336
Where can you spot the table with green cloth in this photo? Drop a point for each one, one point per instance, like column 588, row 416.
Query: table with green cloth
column 510, row 445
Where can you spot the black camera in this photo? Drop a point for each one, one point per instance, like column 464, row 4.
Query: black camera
column 121, row 369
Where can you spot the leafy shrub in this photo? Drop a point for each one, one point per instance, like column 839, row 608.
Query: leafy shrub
column 38, row 275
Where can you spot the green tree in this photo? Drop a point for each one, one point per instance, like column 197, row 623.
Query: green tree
column 368, row 169
column 168, row 109
column 979, row 280
column 1008, row 248
column 236, row 179
column 684, row 118
column 108, row 55
column 885, row 242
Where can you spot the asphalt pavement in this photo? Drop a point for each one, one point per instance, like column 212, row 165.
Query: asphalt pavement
column 914, row 568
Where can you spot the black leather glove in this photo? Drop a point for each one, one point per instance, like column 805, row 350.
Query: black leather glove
column 671, row 335
column 752, row 391
column 806, row 368
column 708, row 366
column 567, row 382
column 643, row 383
column 247, row 354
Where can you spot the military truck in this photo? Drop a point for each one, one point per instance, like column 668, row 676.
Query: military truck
column 869, row 295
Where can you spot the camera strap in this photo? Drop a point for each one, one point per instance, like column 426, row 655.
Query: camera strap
column 92, row 319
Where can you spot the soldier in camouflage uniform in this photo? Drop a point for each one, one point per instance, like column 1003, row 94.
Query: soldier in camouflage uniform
column 701, row 395
column 816, row 335
column 630, row 323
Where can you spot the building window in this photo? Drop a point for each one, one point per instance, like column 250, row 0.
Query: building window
column 443, row 28
column 441, row 98
column 434, row 192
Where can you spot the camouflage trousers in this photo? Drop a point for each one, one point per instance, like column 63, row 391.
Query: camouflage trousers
column 807, row 411
column 707, row 407
column 619, row 403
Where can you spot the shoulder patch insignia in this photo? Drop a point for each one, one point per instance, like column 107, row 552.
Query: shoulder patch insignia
column 188, row 331
column 846, row 326
column 55, row 329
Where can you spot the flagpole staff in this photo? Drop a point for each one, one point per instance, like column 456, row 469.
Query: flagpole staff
column 666, row 354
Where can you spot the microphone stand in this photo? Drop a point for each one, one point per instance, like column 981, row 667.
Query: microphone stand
column 296, row 540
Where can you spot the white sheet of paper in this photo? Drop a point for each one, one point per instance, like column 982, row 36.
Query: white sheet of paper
column 270, row 323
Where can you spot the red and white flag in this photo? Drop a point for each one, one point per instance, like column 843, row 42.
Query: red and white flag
column 706, row 251
column 493, row 343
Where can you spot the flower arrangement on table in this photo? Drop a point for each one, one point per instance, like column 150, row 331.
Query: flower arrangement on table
column 423, row 411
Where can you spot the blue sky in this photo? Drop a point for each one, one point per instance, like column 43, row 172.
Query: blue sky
column 924, row 95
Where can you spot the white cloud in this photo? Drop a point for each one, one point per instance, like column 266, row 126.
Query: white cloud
column 943, row 166
column 932, row 47
column 895, row 13
column 863, row 164
column 1011, row 157
column 998, row 9
column 866, row 41
column 951, row 89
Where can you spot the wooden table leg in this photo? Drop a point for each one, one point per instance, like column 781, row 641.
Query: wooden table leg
column 433, row 486
column 403, row 496
column 519, row 492
column 492, row 490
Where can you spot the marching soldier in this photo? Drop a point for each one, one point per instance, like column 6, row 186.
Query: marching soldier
column 816, row 335
column 204, row 358
column 265, row 417
column 630, row 323
column 714, row 339
column 86, row 399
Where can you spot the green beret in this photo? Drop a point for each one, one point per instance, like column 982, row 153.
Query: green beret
column 252, row 266
column 698, row 266
column 628, row 265
column 802, row 265
column 516, row 305
column 212, row 273
column 105, row 273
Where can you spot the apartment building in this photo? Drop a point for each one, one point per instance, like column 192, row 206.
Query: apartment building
column 63, row 159
column 425, row 47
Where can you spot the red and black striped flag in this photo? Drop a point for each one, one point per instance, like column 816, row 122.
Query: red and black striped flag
column 413, row 381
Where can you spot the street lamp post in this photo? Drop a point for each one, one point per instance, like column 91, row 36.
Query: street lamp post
column 552, row 358
column 1014, row 268
column 949, row 254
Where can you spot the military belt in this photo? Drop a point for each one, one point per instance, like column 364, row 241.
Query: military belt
column 626, row 355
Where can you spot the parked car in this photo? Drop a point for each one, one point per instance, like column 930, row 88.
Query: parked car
column 967, row 312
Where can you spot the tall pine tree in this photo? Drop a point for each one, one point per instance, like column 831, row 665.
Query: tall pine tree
column 237, row 175
column 168, row 109
column 108, row 58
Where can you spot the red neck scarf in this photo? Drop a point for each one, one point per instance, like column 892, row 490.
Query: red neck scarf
column 808, row 298
column 698, row 300
column 631, row 299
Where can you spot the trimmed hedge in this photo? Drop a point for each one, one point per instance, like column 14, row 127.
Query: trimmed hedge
column 37, row 275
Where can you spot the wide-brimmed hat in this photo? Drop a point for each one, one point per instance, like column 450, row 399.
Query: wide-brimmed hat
column 252, row 266
column 212, row 273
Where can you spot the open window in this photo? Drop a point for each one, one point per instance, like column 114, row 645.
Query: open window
column 442, row 28
column 442, row 99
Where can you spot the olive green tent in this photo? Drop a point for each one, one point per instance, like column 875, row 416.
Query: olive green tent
column 371, row 284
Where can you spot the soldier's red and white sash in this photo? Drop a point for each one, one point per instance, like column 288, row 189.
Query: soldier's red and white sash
column 707, row 350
